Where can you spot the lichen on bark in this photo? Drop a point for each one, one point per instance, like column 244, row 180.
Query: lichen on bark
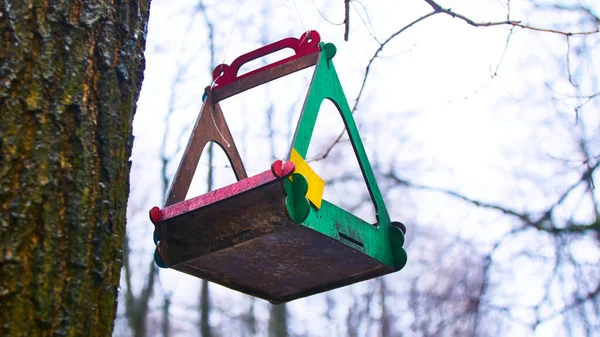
column 70, row 77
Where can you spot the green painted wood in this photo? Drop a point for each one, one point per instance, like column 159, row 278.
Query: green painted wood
column 296, row 202
column 382, row 241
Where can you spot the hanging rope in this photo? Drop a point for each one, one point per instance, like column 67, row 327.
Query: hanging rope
column 214, row 82
column 299, row 16
column 237, row 9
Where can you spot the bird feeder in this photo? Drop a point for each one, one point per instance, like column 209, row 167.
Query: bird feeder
column 272, row 235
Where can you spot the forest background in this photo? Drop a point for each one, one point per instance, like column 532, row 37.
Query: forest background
column 481, row 120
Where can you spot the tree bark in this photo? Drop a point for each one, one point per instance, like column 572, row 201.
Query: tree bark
column 70, row 76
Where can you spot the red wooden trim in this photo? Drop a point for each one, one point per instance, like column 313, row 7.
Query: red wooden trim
column 308, row 43
column 282, row 169
column 244, row 185
column 155, row 214
column 249, row 82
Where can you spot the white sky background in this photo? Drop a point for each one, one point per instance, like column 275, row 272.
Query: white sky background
column 430, row 110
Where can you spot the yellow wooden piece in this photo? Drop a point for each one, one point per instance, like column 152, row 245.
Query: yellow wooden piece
column 316, row 185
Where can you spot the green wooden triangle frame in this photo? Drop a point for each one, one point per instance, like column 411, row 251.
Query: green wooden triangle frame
column 382, row 241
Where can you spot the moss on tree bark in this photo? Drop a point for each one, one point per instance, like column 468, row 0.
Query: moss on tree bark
column 70, row 76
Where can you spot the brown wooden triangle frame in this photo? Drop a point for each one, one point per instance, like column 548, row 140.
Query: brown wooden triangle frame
column 211, row 124
column 210, row 127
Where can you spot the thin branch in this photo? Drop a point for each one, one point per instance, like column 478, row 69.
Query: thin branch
column 330, row 148
column 380, row 49
column 366, row 22
column 568, row 60
column 503, row 52
column 496, row 69
column 347, row 19
column 587, row 99
column 439, row 9
column 585, row 178
column 591, row 296
column 364, row 82
column 149, row 287
column 136, row 308
column 540, row 224
column 572, row 8
column 325, row 18
column 129, row 298
column 521, row 216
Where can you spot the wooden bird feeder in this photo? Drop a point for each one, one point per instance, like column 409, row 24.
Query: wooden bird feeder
column 272, row 235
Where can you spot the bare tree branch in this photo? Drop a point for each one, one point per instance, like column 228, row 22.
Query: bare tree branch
column 570, row 7
column 439, row 9
column 367, row 69
column 137, row 307
column 543, row 223
column 380, row 49
column 523, row 217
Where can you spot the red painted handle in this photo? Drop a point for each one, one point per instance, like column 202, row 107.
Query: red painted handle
column 307, row 44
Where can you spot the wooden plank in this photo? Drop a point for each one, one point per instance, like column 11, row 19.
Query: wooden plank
column 244, row 240
column 266, row 75
column 285, row 264
column 279, row 170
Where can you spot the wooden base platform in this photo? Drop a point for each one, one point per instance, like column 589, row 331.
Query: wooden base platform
column 240, row 236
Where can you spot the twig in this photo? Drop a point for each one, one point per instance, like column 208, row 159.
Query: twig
column 347, row 19
column 526, row 218
column 578, row 301
column 381, row 46
column 521, row 216
column 503, row 52
column 324, row 17
column 366, row 22
column 585, row 178
column 362, row 87
column 573, row 8
column 439, row 9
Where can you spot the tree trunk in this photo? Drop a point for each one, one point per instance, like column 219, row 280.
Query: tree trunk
column 385, row 318
column 249, row 319
column 205, row 330
column 70, row 77
column 278, row 321
column 166, row 325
